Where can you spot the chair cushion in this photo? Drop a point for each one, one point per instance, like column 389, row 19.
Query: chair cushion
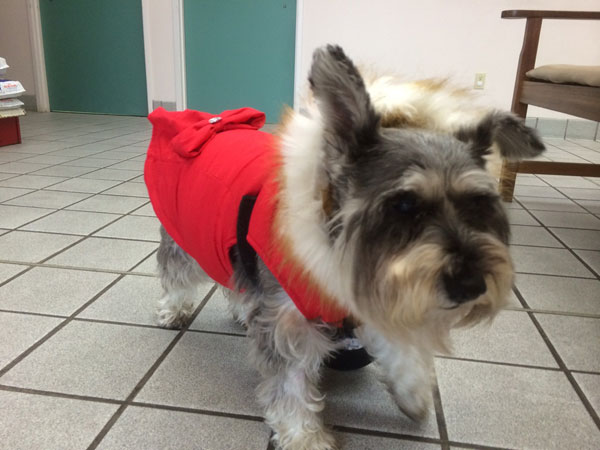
column 566, row 73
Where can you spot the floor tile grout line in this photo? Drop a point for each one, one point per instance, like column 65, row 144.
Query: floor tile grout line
column 32, row 265
column 153, row 254
column 581, row 145
column 555, row 312
column 84, row 237
column 575, row 154
column 56, row 329
column 476, row 446
column 77, row 268
column 241, row 335
column 561, row 364
column 93, row 399
column 569, row 249
column 439, row 412
column 139, row 386
column 577, row 277
column 198, row 330
column 384, row 434
column 500, row 363
column 120, row 216
column 206, row 412
column 33, row 155
column 44, row 393
column 73, row 178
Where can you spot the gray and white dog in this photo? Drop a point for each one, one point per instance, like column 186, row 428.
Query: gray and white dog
column 386, row 205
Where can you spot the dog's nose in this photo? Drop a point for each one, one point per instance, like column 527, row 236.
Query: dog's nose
column 464, row 286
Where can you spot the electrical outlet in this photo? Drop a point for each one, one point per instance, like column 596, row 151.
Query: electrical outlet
column 479, row 81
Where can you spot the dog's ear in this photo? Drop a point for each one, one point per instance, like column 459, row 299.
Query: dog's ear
column 515, row 141
column 348, row 115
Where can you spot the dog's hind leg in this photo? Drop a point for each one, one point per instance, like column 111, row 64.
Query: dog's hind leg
column 288, row 352
column 179, row 275
column 407, row 371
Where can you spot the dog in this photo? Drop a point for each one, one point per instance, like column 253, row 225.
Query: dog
column 375, row 208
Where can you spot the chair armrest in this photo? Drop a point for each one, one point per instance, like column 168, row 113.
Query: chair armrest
column 527, row 14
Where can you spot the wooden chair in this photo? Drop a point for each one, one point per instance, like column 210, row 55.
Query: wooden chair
column 574, row 99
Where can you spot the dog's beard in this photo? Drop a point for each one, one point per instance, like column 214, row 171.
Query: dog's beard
column 405, row 296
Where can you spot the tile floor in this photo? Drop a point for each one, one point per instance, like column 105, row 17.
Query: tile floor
column 82, row 364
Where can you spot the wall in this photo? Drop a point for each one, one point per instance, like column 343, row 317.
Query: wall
column 15, row 46
column 422, row 38
column 448, row 38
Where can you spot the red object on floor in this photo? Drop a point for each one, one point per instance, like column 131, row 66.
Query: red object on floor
column 10, row 132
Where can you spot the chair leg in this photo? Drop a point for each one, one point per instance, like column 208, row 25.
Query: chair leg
column 508, row 177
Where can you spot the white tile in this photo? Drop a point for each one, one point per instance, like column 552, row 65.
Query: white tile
column 215, row 315
column 129, row 188
column 137, row 429
column 18, row 332
column 212, row 373
column 23, row 246
column 133, row 299
column 575, row 295
column 94, row 359
column 112, row 174
column 15, row 216
column 21, row 167
column 72, row 222
column 133, row 227
column 510, row 329
column 84, row 185
column 48, row 199
column 579, row 239
column 568, row 220
column 574, row 193
column 49, row 290
column 550, row 261
column 38, row 422
column 577, row 339
column 32, row 181
column 592, row 258
column 512, row 407
column 102, row 253
column 8, row 193
column 109, row 204
column 534, row 236
column 9, row 270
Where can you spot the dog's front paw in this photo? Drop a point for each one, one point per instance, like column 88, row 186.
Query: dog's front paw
column 414, row 404
column 317, row 440
column 174, row 318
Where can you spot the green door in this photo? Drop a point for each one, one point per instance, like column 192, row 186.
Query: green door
column 94, row 52
column 240, row 53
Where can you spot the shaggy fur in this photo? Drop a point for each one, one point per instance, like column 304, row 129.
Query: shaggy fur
column 386, row 207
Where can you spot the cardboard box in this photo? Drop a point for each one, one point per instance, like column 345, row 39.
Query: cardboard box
column 10, row 132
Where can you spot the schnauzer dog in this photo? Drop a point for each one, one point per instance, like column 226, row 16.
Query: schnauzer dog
column 373, row 206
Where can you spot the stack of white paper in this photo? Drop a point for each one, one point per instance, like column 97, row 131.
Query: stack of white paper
column 9, row 91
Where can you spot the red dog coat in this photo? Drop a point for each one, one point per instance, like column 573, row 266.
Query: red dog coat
column 198, row 169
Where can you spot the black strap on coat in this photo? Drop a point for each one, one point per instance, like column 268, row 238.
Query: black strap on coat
column 247, row 255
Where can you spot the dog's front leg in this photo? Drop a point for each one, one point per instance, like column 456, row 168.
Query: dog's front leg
column 288, row 351
column 407, row 371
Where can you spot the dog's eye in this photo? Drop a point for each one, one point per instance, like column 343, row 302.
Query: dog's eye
column 405, row 203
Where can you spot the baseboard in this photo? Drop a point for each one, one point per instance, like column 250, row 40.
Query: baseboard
column 169, row 106
column 565, row 128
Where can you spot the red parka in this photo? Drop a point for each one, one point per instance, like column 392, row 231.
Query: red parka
column 198, row 168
